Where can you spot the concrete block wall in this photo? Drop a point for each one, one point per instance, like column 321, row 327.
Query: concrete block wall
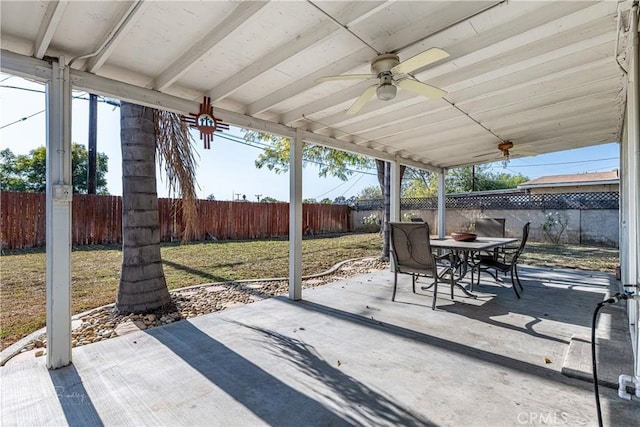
column 587, row 227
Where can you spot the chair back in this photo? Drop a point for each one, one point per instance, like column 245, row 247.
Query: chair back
column 411, row 248
column 490, row 227
column 523, row 241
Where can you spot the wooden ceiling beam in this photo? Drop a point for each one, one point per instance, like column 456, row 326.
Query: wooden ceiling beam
column 52, row 17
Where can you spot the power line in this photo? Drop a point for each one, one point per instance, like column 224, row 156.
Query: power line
column 565, row 163
column 22, row 88
column 259, row 144
column 352, row 185
column 262, row 146
column 334, row 188
column 22, row 119
column 42, row 111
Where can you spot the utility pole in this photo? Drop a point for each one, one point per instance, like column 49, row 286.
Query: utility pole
column 258, row 196
column 92, row 168
column 473, row 177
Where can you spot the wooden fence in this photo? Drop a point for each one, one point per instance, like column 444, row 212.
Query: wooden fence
column 97, row 220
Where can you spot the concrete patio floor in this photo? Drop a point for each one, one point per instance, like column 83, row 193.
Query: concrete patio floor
column 345, row 355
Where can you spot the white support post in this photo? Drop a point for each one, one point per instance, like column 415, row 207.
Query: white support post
column 442, row 199
column 394, row 214
column 631, row 180
column 295, row 217
column 58, row 220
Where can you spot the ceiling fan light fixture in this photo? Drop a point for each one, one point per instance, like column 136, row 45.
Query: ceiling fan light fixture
column 386, row 92
column 505, row 147
column 393, row 74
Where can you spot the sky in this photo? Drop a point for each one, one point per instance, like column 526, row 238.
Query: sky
column 227, row 170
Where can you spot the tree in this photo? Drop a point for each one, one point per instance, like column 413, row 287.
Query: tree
column 384, row 179
column 310, row 200
column 267, row 199
column 27, row 172
column 340, row 200
column 326, row 201
column 211, row 197
column 143, row 130
column 460, row 180
column 370, row 193
column 419, row 183
column 329, row 161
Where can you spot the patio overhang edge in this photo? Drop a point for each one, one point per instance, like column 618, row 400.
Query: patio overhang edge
column 40, row 70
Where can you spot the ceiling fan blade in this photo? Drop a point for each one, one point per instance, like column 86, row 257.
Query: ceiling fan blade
column 346, row 77
column 525, row 152
column 362, row 99
column 420, row 88
column 420, row 60
column 493, row 154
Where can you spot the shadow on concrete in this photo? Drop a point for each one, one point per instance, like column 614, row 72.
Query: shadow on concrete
column 74, row 399
column 570, row 302
column 448, row 345
column 200, row 273
column 371, row 407
column 270, row 399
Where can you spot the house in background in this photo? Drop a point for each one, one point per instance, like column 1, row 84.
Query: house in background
column 574, row 183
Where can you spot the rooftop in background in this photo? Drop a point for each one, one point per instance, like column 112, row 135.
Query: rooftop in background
column 611, row 177
column 599, row 181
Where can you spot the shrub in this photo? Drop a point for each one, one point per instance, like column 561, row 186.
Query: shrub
column 553, row 226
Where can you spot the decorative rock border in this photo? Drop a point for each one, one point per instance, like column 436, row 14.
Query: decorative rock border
column 104, row 322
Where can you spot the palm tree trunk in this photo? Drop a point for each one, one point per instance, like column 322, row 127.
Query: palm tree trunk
column 384, row 179
column 142, row 282
column 386, row 195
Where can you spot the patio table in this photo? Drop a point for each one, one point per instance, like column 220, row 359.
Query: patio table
column 459, row 253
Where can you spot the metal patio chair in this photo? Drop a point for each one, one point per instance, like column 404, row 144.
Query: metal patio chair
column 412, row 254
column 488, row 227
column 508, row 264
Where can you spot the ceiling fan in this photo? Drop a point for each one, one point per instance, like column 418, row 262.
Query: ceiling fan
column 393, row 74
column 506, row 148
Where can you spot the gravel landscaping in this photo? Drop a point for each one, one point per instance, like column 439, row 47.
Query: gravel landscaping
column 104, row 322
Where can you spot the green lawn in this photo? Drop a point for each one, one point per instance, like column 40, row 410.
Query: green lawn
column 95, row 270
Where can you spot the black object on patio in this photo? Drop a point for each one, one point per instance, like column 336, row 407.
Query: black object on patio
column 508, row 265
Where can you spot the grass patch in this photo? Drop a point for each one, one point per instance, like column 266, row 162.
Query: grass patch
column 591, row 258
column 96, row 270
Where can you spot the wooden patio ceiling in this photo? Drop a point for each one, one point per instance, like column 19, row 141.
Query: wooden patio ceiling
column 546, row 76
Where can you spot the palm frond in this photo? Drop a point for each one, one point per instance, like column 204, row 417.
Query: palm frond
column 177, row 156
